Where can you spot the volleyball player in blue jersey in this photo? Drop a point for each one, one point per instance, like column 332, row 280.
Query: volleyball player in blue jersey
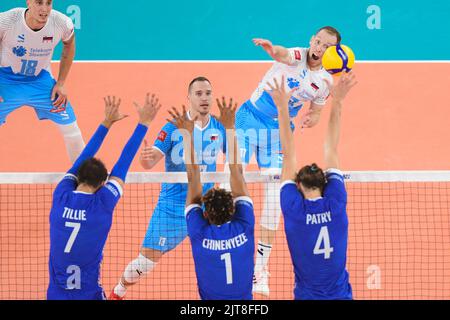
column 167, row 227
column 221, row 233
column 314, row 204
column 82, row 210
column 257, row 124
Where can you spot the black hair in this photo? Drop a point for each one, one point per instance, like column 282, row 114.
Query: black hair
column 197, row 79
column 92, row 172
column 311, row 177
column 219, row 206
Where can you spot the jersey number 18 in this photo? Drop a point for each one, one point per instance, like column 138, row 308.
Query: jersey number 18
column 29, row 67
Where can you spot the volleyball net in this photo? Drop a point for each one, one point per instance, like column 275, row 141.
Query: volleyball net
column 398, row 248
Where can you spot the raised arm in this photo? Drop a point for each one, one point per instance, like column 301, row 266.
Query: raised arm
column 338, row 92
column 227, row 118
column 186, row 127
column 112, row 115
column 281, row 98
column 146, row 113
column 278, row 53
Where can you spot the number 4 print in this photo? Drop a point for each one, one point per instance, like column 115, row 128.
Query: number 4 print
column 325, row 238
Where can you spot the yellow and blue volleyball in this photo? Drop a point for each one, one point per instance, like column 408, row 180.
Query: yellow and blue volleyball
column 337, row 59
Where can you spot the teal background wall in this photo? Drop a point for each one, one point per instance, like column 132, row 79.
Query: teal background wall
column 223, row 29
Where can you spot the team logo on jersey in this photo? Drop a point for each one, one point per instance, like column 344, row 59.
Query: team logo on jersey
column 19, row 51
column 314, row 86
column 21, row 38
column 293, row 83
column 162, row 135
column 47, row 39
column 298, row 55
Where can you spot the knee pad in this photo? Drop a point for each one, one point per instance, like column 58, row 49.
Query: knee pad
column 70, row 130
column 137, row 268
column 73, row 140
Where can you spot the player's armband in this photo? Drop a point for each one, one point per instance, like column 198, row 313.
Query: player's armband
column 114, row 187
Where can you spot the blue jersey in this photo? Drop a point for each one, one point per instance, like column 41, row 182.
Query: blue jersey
column 317, row 235
column 223, row 255
column 208, row 143
column 79, row 225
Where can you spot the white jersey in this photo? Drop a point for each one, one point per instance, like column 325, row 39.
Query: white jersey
column 311, row 84
column 28, row 52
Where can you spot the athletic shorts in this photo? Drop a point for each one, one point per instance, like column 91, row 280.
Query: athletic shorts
column 18, row 91
column 258, row 134
column 167, row 227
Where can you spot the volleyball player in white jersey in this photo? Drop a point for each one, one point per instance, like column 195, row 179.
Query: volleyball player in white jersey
column 28, row 37
column 258, row 130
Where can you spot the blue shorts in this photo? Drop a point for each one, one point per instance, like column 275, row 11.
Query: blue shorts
column 18, row 91
column 55, row 292
column 167, row 227
column 260, row 134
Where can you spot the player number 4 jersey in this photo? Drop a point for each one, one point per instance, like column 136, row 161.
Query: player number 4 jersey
column 26, row 52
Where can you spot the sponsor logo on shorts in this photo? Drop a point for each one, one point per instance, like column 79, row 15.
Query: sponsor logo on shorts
column 19, row 51
column 162, row 241
column 162, row 135
column 280, row 158
column 58, row 109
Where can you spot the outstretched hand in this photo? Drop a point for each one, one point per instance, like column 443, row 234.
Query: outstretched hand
column 227, row 113
column 148, row 111
column 266, row 44
column 279, row 94
column 112, row 113
column 345, row 83
column 181, row 120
